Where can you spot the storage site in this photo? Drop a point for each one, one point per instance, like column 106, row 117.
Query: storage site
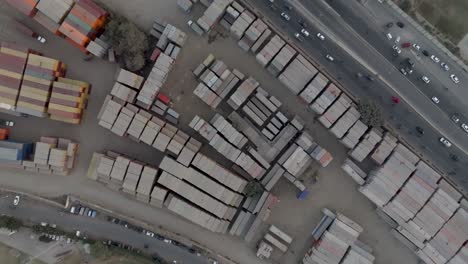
column 189, row 137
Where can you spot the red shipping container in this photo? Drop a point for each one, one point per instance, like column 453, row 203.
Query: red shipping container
column 155, row 54
column 12, row 63
column 165, row 99
column 63, row 114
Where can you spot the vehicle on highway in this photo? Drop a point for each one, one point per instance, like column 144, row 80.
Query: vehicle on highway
column 420, row 130
column 435, row 99
column 416, row 46
column 6, row 123
column 320, row 36
column 455, row 118
column 425, row 53
column 285, row 16
column 425, row 79
column 16, row 200
column 400, row 24
column 445, row 66
column 454, row 78
column 329, row 57
column 159, row 237
column 445, row 142
column 406, row 45
column 464, row 127
column 397, row 39
column 298, row 36
column 305, row 32
column 397, row 49
column 389, row 36
column 369, row 78
column 435, row 59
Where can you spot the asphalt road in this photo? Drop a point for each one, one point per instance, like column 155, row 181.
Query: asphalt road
column 345, row 47
column 95, row 228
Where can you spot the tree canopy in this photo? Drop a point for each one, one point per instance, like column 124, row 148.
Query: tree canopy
column 371, row 113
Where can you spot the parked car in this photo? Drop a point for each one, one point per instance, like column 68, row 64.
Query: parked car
column 320, row 36
column 425, row 79
column 464, row 127
column 455, row 118
column 445, row 66
column 435, row 59
column 82, row 210
column 285, row 16
column 445, row 142
column 168, row 241
column 150, row 234
column 389, row 36
column 435, row 99
column 16, row 200
column 159, row 237
column 402, row 70
column 389, row 25
column 72, row 210
column 305, row 32
column 425, row 53
column 6, row 123
column 400, row 24
column 397, row 39
column 454, row 78
column 420, row 130
column 329, row 57
column 416, row 46
column 397, row 49
column 298, row 36
column 406, row 45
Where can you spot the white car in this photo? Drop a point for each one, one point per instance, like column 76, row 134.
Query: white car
column 320, row 36
column 398, row 50
column 435, row 99
column 465, row 127
column 397, row 39
column 454, row 78
column 298, row 36
column 445, row 66
column 305, row 32
column 416, row 46
column 445, row 142
column 167, row 241
column 329, row 57
column 16, row 200
column 41, row 39
column 435, row 59
column 285, row 16
column 150, row 234
column 389, row 36
column 425, row 79
column 78, row 233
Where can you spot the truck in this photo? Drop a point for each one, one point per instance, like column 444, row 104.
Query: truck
column 26, row 30
column 195, row 27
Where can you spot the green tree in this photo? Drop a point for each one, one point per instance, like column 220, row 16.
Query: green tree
column 253, row 188
column 128, row 41
column 371, row 113
column 10, row 223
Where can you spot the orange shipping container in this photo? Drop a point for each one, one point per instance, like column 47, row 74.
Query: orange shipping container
column 73, row 34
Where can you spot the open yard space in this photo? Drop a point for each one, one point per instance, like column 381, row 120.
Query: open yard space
column 333, row 189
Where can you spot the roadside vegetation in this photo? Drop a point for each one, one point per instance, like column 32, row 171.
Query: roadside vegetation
column 10, row 223
column 371, row 113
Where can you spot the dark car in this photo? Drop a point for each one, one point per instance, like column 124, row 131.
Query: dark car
column 389, row 25
column 370, row 78
column 453, row 157
column 420, row 130
column 400, row 24
column 425, row 53
column 302, row 23
column 159, row 237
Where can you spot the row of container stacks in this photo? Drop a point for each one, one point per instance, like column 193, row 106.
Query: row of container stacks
column 48, row 156
column 80, row 21
column 227, row 149
column 420, row 206
column 212, row 14
column 216, row 80
column 167, row 34
column 274, row 237
column 336, row 242
column 35, row 85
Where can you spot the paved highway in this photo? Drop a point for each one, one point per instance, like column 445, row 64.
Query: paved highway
column 96, row 228
column 353, row 54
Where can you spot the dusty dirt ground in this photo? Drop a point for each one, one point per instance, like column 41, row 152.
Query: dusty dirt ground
column 333, row 190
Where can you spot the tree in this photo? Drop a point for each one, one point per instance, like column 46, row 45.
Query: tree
column 128, row 41
column 253, row 188
column 10, row 223
column 371, row 113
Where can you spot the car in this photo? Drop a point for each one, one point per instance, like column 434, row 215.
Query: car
column 6, row 123
column 389, row 25
column 416, row 46
column 445, row 142
column 302, row 23
column 464, row 127
column 370, row 78
column 397, row 49
column 150, row 234
column 159, row 237
column 445, row 66
column 305, row 32
column 420, row 130
column 400, row 24
column 425, row 79
column 16, row 200
column 453, row 157
column 44, row 224
column 86, row 211
column 320, row 36
column 285, row 16
column 329, row 57
column 435, row 99
column 406, row 45
column 93, row 215
column 395, row 53
column 72, row 210
column 402, row 70
column 82, row 209
column 454, row 78
column 397, row 39
column 78, row 233
column 425, row 53
column 90, row 212
column 389, row 36
column 435, row 59
column 168, row 241
column 298, row 36
column 455, row 118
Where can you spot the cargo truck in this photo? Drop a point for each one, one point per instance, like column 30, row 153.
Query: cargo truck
column 26, row 30
column 195, row 27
